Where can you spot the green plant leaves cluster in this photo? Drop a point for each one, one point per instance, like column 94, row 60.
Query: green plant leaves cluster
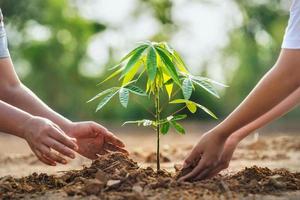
column 164, row 69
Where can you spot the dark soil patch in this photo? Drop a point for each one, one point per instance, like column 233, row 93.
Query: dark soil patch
column 115, row 176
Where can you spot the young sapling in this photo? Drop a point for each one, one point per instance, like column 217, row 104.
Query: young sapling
column 163, row 69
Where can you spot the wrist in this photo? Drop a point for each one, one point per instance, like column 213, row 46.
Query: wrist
column 25, row 125
column 222, row 136
column 67, row 126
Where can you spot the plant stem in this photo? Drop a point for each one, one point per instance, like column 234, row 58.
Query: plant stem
column 177, row 111
column 157, row 110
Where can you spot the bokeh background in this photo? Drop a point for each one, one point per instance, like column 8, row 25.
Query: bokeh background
column 62, row 48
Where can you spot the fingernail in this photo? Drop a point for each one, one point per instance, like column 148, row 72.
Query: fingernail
column 72, row 156
column 75, row 147
column 185, row 165
column 64, row 161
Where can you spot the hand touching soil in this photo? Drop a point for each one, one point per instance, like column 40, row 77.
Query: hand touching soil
column 93, row 139
column 205, row 156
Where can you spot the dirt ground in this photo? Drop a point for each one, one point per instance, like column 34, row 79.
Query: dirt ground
column 265, row 166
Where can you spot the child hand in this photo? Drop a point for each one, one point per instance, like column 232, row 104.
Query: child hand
column 204, row 156
column 43, row 136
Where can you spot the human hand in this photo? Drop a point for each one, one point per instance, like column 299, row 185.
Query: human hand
column 93, row 139
column 226, row 156
column 204, row 156
column 43, row 136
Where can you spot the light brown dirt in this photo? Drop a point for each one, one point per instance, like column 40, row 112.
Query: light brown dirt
column 263, row 168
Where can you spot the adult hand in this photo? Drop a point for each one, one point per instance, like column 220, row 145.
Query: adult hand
column 93, row 139
column 43, row 136
column 204, row 156
column 223, row 163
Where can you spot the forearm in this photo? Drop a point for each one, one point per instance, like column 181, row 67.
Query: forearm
column 12, row 119
column 282, row 108
column 276, row 85
column 15, row 93
column 20, row 96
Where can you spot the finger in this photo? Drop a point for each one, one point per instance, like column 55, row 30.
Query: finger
column 193, row 158
column 221, row 166
column 64, row 139
column 202, row 165
column 46, row 151
column 214, row 172
column 111, row 138
column 202, row 174
column 102, row 152
column 112, row 147
column 43, row 159
column 59, row 147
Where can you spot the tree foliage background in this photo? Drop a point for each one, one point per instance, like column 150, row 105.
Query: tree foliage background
column 52, row 63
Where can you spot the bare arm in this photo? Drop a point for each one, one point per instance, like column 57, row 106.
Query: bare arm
column 276, row 85
column 92, row 138
column 12, row 119
column 39, row 133
column 292, row 101
column 15, row 93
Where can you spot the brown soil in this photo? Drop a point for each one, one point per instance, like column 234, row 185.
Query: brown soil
column 115, row 176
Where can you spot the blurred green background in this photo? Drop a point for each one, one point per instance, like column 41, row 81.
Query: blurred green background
column 62, row 48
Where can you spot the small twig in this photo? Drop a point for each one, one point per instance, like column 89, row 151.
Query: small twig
column 227, row 190
column 149, row 111
column 174, row 93
column 178, row 111
column 112, row 165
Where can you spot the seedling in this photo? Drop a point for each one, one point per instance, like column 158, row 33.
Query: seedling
column 164, row 71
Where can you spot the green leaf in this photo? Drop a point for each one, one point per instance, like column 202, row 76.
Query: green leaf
column 207, row 111
column 164, row 128
column 187, row 88
column 169, row 65
column 168, row 82
column 178, row 127
column 136, row 90
column 178, row 117
column 103, row 93
column 151, row 63
column 128, row 56
column 206, row 86
column 124, row 97
column 181, row 64
column 176, row 101
column 215, row 82
column 105, row 100
column 135, row 57
column 144, row 122
column 201, row 78
column 191, row 106
column 132, row 72
column 112, row 75
column 172, row 118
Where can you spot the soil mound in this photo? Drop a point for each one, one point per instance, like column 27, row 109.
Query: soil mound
column 115, row 176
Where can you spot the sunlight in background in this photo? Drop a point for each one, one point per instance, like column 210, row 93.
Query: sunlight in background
column 202, row 32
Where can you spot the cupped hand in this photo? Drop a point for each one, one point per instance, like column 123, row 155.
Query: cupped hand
column 94, row 139
column 204, row 156
column 44, row 138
